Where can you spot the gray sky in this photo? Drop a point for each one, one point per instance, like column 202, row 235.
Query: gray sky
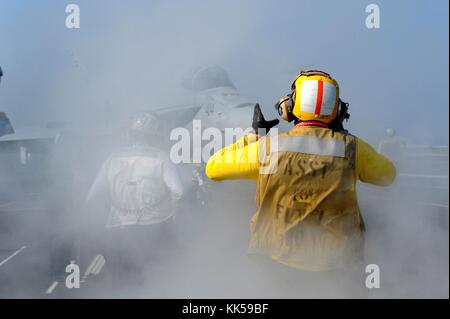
column 133, row 54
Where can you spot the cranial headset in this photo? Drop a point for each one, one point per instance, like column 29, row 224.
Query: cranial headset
column 285, row 105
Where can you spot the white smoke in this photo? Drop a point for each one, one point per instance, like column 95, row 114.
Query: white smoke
column 132, row 56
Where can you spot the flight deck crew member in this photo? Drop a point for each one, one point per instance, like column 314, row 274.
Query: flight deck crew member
column 140, row 188
column 307, row 213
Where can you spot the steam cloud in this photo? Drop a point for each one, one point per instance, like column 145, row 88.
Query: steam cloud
column 132, row 56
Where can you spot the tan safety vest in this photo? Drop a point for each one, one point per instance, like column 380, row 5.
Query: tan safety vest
column 308, row 215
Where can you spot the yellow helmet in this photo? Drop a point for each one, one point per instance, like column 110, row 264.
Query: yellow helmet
column 315, row 96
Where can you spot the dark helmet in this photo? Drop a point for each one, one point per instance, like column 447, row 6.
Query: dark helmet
column 206, row 77
column 144, row 128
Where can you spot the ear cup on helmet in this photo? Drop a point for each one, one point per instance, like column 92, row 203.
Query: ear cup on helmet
column 286, row 114
column 284, row 107
column 291, row 101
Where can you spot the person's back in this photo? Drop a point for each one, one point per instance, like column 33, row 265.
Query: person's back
column 308, row 214
column 139, row 194
column 139, row 183
column 307, row 211
column 139, row 188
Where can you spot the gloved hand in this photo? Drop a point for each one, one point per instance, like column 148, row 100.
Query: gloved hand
column 259, row 124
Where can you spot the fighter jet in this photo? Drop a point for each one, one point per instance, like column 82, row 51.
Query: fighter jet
column 216, row 102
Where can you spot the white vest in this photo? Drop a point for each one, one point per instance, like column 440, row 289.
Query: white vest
column 139, row 195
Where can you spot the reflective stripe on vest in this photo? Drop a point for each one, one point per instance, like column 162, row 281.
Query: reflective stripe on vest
column 311, row 145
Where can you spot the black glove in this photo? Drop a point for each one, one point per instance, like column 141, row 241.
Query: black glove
column 260, row 125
